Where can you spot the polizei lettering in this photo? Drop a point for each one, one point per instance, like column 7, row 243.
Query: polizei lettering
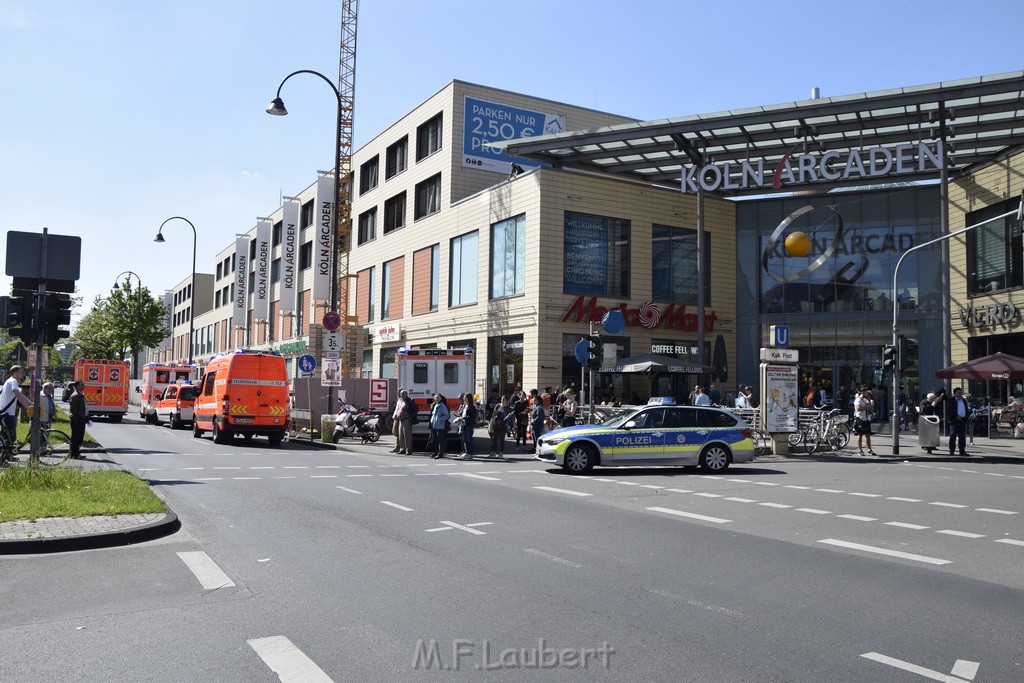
column 324, row 239
column 874, row 162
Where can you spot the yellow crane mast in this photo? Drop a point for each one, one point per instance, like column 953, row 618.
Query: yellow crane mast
column 343, row 240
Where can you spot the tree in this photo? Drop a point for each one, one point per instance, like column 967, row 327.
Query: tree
column 135, row 320
column 94, row 336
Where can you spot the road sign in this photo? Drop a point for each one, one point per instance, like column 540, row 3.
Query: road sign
column 332, row 321
column 379, row 399
column 779, row 335
column 581, row 350
column 332, row 344
column 780, row 355
column 307, row 363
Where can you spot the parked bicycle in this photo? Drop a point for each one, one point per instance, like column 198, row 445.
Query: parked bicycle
column 828, row 432
column 54, row 447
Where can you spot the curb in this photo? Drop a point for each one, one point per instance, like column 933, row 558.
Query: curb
column 139, row 534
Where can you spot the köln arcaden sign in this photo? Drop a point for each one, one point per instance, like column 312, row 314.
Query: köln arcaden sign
column 856, row 164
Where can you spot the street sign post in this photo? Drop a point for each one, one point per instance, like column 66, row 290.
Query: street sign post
column 331, row 321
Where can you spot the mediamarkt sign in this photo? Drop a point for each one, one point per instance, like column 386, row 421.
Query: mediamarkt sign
column 646, row 315
column 873, row 162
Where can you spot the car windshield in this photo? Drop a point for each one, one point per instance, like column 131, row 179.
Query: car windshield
column 188, row 393
column 621, row 418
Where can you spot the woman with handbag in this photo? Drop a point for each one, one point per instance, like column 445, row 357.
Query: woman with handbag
column 439, row 416
column 862, row 409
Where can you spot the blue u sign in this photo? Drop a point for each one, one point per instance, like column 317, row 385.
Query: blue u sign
column 779, row 335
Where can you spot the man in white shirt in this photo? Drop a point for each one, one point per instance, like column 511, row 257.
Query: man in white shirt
column 701, row 399
column 10, row 396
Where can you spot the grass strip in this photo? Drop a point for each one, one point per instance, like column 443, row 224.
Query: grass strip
column 31, row 492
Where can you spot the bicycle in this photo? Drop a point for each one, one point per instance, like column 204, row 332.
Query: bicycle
column 826, row 432
column 54, row 446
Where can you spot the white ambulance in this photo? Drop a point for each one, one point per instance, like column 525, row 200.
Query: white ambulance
column 425, row 372
column 156, row 378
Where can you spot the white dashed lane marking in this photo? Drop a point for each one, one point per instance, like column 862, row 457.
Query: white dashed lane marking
column 998, row 512
column 884, row 551
column 289, row 662
column 690, row 515
column 350, row 490
column 552, row 489
column 964, row 534
column 396, row 506
column 206, row 570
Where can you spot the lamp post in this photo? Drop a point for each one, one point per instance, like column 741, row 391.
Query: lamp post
column 127, row 282
column 277, row 108
column 192, row 299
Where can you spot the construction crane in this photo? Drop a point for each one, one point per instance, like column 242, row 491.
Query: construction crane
column 343, row 240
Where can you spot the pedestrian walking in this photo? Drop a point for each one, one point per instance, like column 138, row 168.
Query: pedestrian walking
column 498, row 427
column 11, row 397
column 439, row 416
column 79, row 418
column 467, row 413
column 862, row 408
column 521, row 411
column 404, row 410
column 957, row 414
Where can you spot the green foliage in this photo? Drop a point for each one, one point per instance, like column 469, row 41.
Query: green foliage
column 32, row 492
column 120, row 326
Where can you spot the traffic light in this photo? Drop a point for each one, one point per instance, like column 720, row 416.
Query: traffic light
column 593, row 351
column 905, row 360
column 888, row 358
column 16, row 317
column 56, row 312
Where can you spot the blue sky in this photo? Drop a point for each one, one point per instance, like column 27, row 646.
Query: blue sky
column 121, row 113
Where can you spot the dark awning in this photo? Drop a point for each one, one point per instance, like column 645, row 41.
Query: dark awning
column 994, row 367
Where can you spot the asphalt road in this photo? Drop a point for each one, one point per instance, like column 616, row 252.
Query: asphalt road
column 307, row 564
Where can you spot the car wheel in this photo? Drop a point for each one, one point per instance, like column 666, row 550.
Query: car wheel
column 196, row 431
column 175, row 421
column 579, row 458
column 152, row 419
column 714, row 458
column 275, row 439
column 248, row 436
column 220, row 436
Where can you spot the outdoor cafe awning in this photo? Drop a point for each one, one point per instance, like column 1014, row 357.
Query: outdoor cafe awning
column 995, row 367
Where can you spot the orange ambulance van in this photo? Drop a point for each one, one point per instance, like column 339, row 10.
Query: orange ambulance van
column 106, row 387
column 243, row 392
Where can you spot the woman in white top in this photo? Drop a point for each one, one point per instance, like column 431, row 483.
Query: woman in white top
column 570, row 406
column 862, row 409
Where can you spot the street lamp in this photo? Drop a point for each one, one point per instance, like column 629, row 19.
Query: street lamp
column 277, row 108
column 127, row 282
column 192, row 299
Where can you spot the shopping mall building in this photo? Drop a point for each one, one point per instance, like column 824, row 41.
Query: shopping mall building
column 510, row 224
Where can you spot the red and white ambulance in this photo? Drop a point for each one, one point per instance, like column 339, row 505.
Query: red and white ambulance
column 157, row 377
column 425, row 372
column 106, row 386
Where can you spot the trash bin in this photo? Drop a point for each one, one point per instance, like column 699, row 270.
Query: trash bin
column 928, row 432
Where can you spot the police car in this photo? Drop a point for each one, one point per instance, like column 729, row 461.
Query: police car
column 652, row 435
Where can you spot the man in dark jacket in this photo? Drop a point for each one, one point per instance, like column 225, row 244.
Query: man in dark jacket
column 79, row 417
column 957, row 414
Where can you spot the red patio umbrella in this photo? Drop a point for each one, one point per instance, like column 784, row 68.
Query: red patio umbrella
column 997, row 366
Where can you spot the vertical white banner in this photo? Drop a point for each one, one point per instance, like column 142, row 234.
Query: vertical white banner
column 289, row 255
column 323, row 245
column 261, row 286
column 241, row 302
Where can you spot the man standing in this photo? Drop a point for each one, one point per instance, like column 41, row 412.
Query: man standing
column 957, row 412
column 10, row 396
column 47, row 408
column 700, row 398
column 79, row 417
column 715, row 395
column 403, row 420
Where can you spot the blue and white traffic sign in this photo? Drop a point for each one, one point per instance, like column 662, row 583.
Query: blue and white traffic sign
column 307, row 363
column 779, row 335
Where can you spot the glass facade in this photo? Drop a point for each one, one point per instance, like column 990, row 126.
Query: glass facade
column 837, row 299
column 596, row 253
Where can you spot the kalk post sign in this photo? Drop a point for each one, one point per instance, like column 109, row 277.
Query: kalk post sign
column 487, row 122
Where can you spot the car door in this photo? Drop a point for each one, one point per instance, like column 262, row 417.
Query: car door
column 165, row 407
column 641, row 443
column 686, row 432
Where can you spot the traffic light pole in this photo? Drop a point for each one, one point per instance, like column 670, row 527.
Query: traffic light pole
column 896, row 313
column 590, row 414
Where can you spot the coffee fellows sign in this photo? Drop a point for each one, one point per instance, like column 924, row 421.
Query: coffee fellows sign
column 647, row 314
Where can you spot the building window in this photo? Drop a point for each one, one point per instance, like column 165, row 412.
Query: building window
column 464, row 259
column 368, row 176
column 508, row 257
column 425, row 264
column 392, row 288
column 275, row 234
column 428, row 197
column 596, row 255
column 368, row 226
column 395, row 159
column 219, row 266
column 275, row 270
column 387, row 363
column 216, row 299
column 994, row 251
column 364, row 294
column 674, row 265
column 307, row 214
column 394, row 213
column 428, row 138
column 385, row 292
column 306, row 255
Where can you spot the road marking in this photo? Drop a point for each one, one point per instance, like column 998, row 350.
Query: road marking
column 245, row 478
column 950, row 469
column 425, row 474
column 155, row 469
column 418, row 464
column 475, row 476
column 289, row 662
column 295, row 467
column 741, row 500
column 356, row 467
column 960, row 668
column 440, row 528
column 964, row 534
column 691, row 515
column 830, row 490
column 708, row 495
column 1009, row 541
column 328, row 467
column 866, row 495
column 740, row 481
column 651, row 486
column 998, row 512
column 994, row 474
column 195, row 468
column 206, row 570
column 285, row 477
column 679, row 490
column 965, row 669
column 329, row 476
column 712, row 476
column 627, row 483
column 766, row 483
column 791, row 486
column 209, row 479
column 444, row 464
column 267, row 467
column 464, row 527
column 971, row 471
column 554, row 558
column 397, row 506
column 780, row 506
column 603, row 479
column 905, row 500
column 814, row 511
column 358, row 475
column 480, row 524
column 566, row 491
column 883, row 551
column 538, row 472
column 948, row 505
column 394, row 475
column 491, row 472
column 906, row 525
column 859, row 518
column 227, row 468
column 349, row 490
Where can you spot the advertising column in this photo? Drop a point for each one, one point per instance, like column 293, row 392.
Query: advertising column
column 780, row 390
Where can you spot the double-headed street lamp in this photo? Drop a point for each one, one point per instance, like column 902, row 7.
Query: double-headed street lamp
column 277, row 108
column 192, row 299
column 127, row 282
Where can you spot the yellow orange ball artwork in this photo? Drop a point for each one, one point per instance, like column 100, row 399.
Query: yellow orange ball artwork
column 798, row 244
